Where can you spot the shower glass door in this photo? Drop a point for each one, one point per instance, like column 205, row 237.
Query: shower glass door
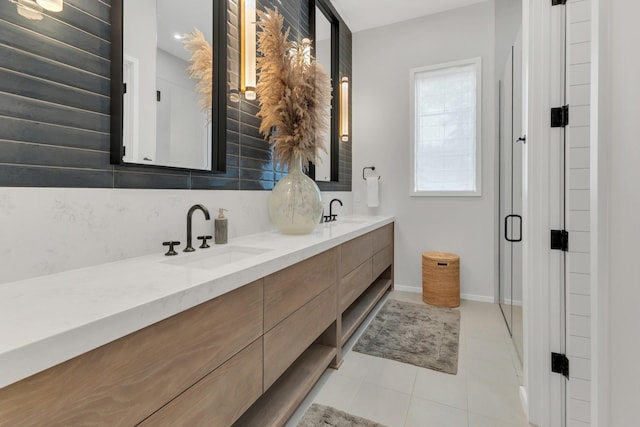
column 511, row 148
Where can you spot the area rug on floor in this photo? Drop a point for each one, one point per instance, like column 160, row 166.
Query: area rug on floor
column 418, row 334
column 326, row 416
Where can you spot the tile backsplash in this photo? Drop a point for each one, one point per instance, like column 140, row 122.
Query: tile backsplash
column 49, row 230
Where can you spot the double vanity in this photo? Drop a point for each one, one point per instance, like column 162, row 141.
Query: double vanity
column 238, row 333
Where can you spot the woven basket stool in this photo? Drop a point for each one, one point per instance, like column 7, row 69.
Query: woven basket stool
column 441, row 279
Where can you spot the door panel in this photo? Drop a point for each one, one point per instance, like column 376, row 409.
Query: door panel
column 506, row 184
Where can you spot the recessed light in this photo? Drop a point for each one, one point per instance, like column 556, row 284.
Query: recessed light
column 178, row 36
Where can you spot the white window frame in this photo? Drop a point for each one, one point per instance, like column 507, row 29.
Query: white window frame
column 478, row 142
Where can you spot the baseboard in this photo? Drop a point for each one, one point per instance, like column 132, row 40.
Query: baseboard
column 468, row 297
column 479, row 298
column 524, row 401
column 411, row 289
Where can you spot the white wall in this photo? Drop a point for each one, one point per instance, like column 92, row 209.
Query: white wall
column 623, row 211
column 508, row 25
column 382, row 58
column 49, row 230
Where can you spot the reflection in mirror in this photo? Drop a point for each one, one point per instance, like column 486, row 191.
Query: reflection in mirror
column 324, row 24
column 163, row 123
column 323, row 56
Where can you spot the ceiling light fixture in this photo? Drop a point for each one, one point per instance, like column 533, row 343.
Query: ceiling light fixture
column 29, row 9
column 248, row 48
column 51, row 5
column 344, row 109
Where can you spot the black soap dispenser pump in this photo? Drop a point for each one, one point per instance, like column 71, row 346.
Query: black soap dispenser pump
column 220, row 225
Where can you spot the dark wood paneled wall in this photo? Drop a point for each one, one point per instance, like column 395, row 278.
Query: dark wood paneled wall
column 54, row 106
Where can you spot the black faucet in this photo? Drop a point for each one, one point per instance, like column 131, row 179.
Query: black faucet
column 332, row 216
column 194, row 208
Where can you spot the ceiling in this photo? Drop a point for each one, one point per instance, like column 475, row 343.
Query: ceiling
column 180, row 17
column 364, row 14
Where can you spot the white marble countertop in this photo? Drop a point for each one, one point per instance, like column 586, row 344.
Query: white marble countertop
column 50, row 319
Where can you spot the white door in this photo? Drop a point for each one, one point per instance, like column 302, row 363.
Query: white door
column 557, row 213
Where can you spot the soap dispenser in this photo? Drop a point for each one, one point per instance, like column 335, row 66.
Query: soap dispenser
column 220, row 228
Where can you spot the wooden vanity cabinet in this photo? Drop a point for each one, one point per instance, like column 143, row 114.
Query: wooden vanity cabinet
column 246, row 358
column 366, row 275
column 127, row 380
column 220, row 398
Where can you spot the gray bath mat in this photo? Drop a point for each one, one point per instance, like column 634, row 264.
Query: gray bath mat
column 417, row 334
column 326, row 416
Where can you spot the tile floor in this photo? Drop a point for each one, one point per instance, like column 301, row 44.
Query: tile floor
column 484, row 393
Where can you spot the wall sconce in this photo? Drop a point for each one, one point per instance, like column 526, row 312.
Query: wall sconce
column 248, row 48
column 51, row 5
column 344, row 109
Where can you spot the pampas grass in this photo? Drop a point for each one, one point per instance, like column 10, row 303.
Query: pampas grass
column 294, row 92
column 201, row 68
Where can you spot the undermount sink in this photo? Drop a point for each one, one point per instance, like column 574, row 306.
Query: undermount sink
column 208, row 259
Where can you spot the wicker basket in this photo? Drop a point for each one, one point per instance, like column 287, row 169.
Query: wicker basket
column 441, row 279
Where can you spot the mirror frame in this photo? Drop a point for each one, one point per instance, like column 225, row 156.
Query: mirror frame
column 219, row 98
column 332, row 16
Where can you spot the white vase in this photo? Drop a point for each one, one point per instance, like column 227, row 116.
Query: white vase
column 295, row 205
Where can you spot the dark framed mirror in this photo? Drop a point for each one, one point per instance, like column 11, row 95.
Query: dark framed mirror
column 324, row 27
column 159, row 117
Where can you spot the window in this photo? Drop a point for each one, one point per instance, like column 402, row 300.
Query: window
column 445, row 108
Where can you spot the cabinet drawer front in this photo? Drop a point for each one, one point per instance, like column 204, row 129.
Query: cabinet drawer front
column 355, row 252
column 287, row 290
column 382, row 237
column 382, row 260
column 125, row 381
column 220, row 398
column 291, row 337
column 355, row 283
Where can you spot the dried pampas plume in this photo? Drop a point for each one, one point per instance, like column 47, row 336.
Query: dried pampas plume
column 294, row 92
column 201, row 67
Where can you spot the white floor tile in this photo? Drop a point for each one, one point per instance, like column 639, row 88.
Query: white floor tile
column 394, row 375
column 499, row 372
column 381, row 405
column 339, row 391
column 484, row 392
column 494, row 400
column 424, row 413
column 442, row 388
column 476, row 420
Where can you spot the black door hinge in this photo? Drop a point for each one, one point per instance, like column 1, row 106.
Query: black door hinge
column 560, row 240
column 560, row 364
column 124, row 150
column 158, row 96
column 558, row 2
column 560, row 116
column 124, row 88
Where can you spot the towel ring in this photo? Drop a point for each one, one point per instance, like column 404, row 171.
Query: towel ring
column 368, row 167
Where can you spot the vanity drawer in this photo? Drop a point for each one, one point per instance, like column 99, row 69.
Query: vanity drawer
column 291, row 337
column 382, row 260
column 382, row 237
column 354, row 283
column 220, row 398
column 125, row 381
column 287, row 290
column 355, row 252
